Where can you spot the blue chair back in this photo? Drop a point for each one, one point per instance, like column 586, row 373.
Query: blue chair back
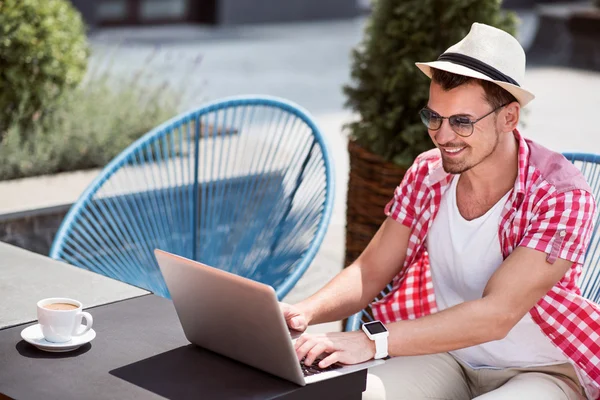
column 589, row 164
column 243, row 184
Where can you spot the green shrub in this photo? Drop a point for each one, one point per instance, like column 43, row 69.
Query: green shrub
column 388, row 90
column 88, row 127
column 43, row 52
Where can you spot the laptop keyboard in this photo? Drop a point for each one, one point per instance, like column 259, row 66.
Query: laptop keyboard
column 315, row 369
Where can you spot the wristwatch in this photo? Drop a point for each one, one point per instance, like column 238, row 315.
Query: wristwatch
column 378, row 333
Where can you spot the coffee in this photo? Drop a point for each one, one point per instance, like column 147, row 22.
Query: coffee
column 60, row 306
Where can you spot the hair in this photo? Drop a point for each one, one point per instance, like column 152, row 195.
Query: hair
column 495, row 95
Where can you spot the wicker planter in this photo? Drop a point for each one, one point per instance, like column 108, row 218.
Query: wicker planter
column 371, row 186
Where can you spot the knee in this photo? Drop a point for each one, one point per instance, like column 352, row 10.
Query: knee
column 413, row 378
column 375, row 388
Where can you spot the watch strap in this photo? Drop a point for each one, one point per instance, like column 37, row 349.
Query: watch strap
column 381, row 346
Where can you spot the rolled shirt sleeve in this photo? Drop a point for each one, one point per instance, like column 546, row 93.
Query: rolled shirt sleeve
column 562, row 226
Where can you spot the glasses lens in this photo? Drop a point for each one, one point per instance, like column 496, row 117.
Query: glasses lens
column 461, row 125
column 430, row 119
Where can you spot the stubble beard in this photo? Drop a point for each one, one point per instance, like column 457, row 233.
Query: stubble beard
column 459, row 166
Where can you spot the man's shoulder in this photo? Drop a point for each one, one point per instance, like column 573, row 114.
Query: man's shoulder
column 552, row 169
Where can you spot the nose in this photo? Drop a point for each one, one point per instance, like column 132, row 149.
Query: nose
column 445, row 134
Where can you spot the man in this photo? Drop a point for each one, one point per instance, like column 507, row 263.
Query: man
column 484, row 241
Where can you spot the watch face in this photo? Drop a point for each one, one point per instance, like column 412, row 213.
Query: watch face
column 375, row 327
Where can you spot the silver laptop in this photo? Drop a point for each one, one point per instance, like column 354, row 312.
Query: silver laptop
column 238, row 318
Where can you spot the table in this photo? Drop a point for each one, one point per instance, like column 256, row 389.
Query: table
column 26, row 278
column 141, row 352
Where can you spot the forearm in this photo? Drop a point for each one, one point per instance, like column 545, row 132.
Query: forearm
column 343, row 296
column 464, row 325
column 357, row 285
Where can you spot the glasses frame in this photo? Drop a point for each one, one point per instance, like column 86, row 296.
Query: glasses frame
column 471, row 123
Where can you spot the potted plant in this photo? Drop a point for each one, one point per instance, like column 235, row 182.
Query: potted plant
column 388, row 90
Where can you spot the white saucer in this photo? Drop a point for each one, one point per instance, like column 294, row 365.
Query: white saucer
column 33, row 335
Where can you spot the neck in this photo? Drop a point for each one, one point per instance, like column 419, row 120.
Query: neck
column 498, row 172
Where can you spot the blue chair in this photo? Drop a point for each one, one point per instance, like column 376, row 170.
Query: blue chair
column 244, row 184
column 589, row 164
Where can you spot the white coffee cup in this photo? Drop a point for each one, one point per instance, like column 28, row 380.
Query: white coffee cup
column 60, row 325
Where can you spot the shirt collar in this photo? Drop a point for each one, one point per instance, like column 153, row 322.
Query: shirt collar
column 436, row 171
column 523, row 159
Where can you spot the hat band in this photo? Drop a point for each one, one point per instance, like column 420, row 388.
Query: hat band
column 478, row 66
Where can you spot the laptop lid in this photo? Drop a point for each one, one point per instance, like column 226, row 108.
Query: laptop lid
column 230, row 315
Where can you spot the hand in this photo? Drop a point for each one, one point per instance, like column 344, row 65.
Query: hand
column 344, row 347
column 294, row 317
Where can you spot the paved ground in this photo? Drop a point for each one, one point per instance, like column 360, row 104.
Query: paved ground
column 309, row 63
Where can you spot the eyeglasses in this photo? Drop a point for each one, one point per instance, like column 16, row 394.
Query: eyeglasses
column 460, row 124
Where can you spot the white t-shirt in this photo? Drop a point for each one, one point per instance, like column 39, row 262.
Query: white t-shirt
column 463, row 256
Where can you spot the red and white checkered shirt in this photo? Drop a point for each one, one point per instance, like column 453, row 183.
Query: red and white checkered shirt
column 550, row 209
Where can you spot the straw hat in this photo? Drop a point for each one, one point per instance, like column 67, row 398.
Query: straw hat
column 489, row 54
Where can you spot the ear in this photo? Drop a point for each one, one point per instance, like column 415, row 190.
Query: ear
column 508, row 120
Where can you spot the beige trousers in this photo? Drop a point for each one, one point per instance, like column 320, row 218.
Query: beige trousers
column 441, row 376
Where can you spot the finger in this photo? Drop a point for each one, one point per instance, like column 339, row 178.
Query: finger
column 287, row 312
column 315, row 352
column 331, row 359
column 303, row 350
column 300, row 341
column 297, row 323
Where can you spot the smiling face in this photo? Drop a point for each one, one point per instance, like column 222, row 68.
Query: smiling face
column 459, row 154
